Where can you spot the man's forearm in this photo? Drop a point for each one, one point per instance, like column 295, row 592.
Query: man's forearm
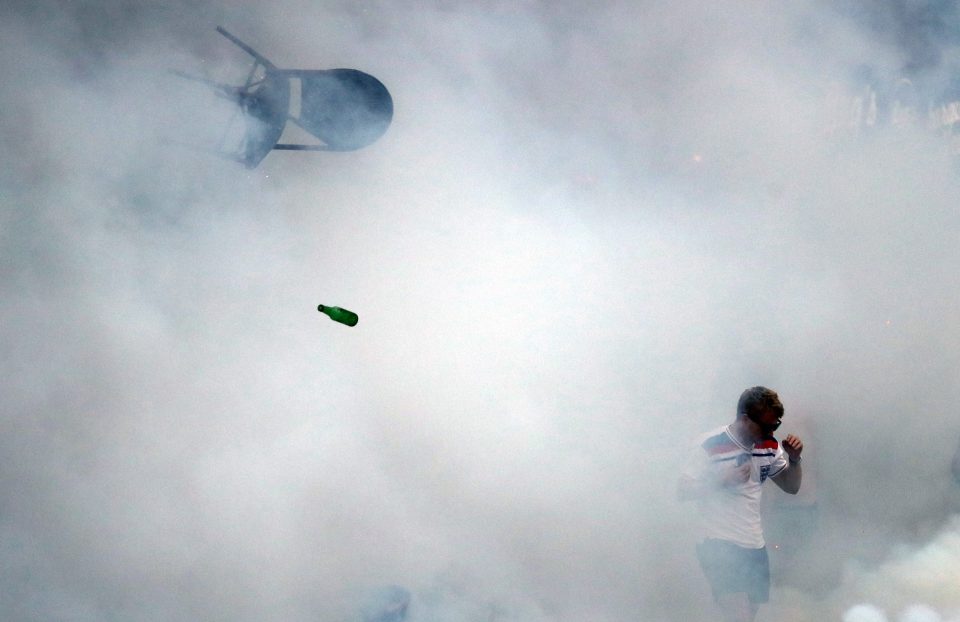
column 789, row 480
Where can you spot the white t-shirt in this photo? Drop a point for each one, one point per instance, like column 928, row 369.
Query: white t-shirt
column 733, row 513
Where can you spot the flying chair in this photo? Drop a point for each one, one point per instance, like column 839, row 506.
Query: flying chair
column 345, row 109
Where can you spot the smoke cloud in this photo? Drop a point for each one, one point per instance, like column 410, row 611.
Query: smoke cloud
column 586, row 231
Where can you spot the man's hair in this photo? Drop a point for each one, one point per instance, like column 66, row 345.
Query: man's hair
column 755, row 400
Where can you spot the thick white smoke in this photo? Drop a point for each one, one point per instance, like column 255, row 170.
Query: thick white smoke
column 586, row 231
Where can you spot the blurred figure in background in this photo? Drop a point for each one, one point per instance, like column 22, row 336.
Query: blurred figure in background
column 386, row 604
column 955, row 465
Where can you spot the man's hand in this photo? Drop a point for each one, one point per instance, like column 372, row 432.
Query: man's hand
column 789, row 479
column 793, row 446
column 734, row 476
column 716, row 480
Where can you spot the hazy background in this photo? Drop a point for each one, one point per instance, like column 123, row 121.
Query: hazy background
column 585, row 233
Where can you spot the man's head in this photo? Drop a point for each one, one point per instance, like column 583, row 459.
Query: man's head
column 761, row 406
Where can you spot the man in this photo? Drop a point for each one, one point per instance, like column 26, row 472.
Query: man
column 730, row 465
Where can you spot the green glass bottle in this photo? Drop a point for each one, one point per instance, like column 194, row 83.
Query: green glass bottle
column 339, row 315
